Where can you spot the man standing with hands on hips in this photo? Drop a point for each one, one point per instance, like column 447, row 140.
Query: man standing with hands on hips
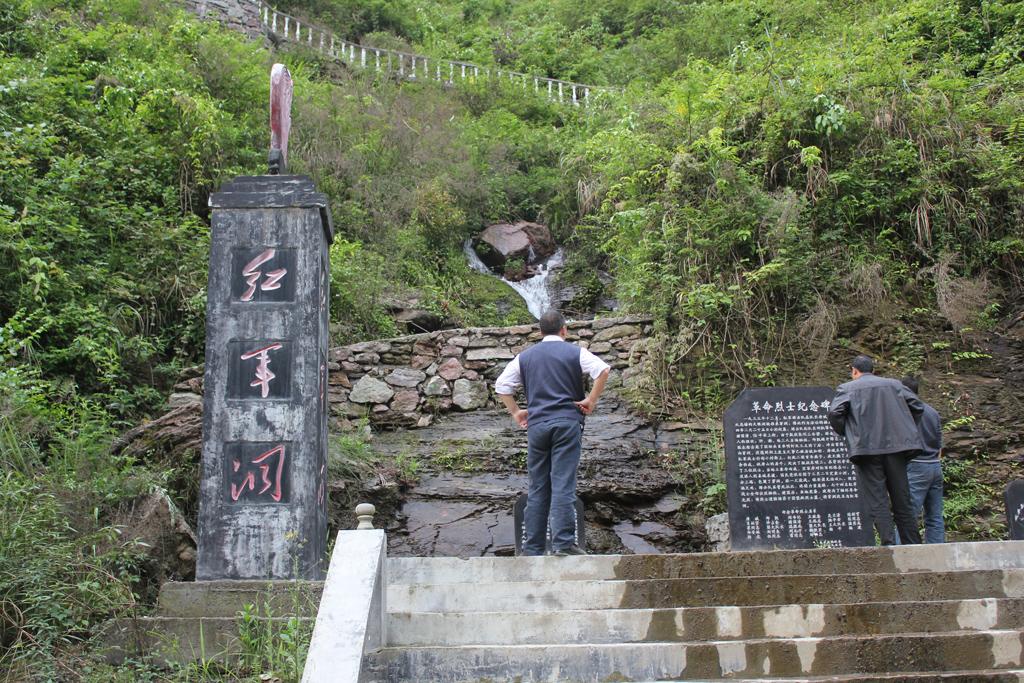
column 551, row 374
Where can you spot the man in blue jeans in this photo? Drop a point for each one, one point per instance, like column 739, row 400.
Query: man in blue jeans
column 551, row 374
column 924, row 473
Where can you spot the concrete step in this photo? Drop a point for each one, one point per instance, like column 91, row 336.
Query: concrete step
column 706, row 592
column 894, row 559
column 193, row 599
column 700, row 623
column 955, row 651
column 183, row 640
column 977, row 676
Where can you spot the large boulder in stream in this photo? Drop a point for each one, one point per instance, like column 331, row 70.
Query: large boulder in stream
column 519, row 244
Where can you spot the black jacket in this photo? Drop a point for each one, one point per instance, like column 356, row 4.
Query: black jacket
column 877, row 416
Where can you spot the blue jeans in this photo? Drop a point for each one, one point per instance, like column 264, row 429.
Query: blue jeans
column 553, row 456
column 925, row 480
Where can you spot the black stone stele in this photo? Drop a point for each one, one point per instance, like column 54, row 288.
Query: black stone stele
column 1014, row 498
column 789, row 480
column 262, row 498
column 518, row 513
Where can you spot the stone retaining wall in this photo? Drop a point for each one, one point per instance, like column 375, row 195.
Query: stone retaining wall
column 238, row 15
column 405, row 381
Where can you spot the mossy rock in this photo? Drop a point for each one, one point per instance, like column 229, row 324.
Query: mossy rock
column 488, row 301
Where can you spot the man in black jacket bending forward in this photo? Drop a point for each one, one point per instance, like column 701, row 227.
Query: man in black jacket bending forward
column 877, row 416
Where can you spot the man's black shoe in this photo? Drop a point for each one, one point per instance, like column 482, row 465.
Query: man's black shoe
column 570, row 550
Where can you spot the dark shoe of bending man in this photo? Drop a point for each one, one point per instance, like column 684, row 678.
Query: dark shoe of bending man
column 551, row 374
column 877, row 416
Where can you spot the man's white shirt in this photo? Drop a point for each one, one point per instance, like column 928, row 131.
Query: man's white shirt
column 511, row 378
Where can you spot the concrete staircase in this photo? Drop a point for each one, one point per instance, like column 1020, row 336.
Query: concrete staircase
column 943, row 612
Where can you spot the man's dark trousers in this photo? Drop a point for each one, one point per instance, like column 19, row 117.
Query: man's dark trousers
column 553, row 456
column 889, row 471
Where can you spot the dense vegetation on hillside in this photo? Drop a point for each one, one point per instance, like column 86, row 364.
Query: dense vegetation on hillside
column 770, row 167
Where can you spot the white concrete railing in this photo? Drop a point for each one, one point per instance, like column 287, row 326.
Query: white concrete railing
column 350, row 620
column 414, row 67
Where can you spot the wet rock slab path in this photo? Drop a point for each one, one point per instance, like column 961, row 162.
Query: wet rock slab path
column 471, row 467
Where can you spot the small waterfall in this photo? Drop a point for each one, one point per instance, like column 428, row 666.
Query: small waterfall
column 534, row 290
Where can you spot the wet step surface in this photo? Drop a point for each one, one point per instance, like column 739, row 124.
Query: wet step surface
column 955, row 651
column 726, row 591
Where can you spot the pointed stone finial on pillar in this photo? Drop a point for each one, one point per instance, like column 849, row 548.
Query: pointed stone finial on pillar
column 280, row 118
column 364, row 513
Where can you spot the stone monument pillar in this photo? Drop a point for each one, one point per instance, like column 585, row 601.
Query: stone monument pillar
column 262, row 499
column 1014, row 498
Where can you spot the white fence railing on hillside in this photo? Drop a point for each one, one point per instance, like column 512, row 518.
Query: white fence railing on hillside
column 416, row 67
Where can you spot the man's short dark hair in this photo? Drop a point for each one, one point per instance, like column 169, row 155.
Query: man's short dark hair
column 863, row 363
column 551, row 322
column 911, row 383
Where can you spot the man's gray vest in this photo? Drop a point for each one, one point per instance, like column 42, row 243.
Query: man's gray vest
column 553, row 380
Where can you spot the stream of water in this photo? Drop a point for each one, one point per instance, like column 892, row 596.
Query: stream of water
column 534, row 290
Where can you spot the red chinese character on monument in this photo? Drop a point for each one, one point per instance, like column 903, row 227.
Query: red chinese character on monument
column 263, row 373
column 264, row 463
column 252, row 275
